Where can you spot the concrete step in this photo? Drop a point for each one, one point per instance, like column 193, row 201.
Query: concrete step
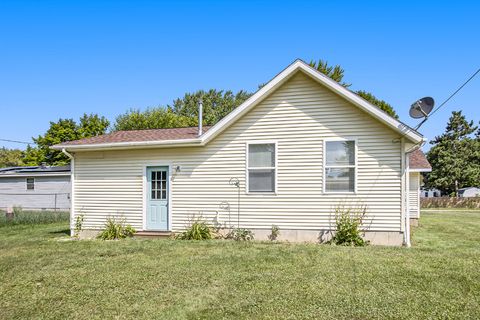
column 153, row 234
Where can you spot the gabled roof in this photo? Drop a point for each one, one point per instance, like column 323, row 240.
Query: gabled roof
column 140, row 136
column 418, row 162
column 159, row 138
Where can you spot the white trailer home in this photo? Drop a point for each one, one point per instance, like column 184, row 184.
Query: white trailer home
column 35, row 188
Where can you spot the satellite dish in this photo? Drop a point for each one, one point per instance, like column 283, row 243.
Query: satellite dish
column 421, row 108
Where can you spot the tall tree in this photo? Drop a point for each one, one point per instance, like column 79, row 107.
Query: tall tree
column 152, row 118
column 333, row 72
column 184, row 111
column 383, row 105
column 336, row 73
column 11, row 157
column 455, row 156
column 61, row 131
column 216, row 104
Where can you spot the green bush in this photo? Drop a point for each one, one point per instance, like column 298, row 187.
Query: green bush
column 348, row 221
column 116, row 230
column 25, row 217
column 240, row 234
column 197, row 230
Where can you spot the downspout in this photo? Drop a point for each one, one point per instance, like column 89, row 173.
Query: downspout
column 72, row 191
column 407, row 237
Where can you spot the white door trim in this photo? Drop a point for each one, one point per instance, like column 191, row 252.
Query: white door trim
column 144, row 192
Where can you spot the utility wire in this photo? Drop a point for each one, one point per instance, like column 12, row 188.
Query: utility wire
column 443, row 103
column 15, row 141
column 453, row 94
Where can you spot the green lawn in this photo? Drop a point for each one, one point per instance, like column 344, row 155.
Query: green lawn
column 43, row 277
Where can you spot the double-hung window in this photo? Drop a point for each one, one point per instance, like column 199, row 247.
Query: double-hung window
column 30, row 183
column 261, row 167
column 340, row 166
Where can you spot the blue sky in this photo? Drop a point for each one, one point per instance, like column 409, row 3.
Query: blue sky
column 61, row 59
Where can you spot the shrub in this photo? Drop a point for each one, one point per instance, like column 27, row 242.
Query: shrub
column 197, row 230
column 348, row 221
column 275, row 233
column 116, row 230
column 78, row 225
column 240, row 234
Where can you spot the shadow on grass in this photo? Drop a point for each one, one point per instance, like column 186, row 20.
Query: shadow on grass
column 61, row 232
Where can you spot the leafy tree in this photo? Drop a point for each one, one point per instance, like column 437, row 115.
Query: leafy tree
column 216, row 104
column 455, row 156
column 152, row 118
column 336, row 73
column 333, row 72
column 11, row 157
column 61, row 131
column 184, row 111
column 377, row 102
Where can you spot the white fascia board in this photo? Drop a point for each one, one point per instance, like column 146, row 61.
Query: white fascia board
column 420, row 170
column 35, row 174
column 130, row 145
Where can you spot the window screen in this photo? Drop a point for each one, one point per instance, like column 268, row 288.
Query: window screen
column 261, row 167
column 340, row 166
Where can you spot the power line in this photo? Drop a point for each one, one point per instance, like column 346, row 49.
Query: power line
column 16, row 141
column 453, row 94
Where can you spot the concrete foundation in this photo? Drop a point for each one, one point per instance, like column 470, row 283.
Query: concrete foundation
column 381, row 238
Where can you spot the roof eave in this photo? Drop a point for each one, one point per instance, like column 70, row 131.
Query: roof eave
column 421, row 170
column 129, row 145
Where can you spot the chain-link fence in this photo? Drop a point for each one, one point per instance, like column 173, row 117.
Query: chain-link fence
column 36, row 201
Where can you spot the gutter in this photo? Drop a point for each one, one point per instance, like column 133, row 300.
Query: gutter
column 130, row 145
column 407, row 240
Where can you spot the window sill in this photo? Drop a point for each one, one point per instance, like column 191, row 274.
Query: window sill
column 340, row 193
column 266, row 193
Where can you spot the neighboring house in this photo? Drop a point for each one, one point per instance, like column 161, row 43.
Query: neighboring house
column 35, row 188
column 430, row 193
column 298, row 147
column 469, row 192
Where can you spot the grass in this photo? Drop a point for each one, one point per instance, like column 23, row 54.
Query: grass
column 44, row 277
column 34, row 217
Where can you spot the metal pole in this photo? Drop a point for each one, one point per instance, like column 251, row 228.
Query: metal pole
column 55, row 202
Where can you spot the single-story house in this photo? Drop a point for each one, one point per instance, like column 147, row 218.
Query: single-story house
column 35, row 187
column 469, row 192
column 291, row 153
column 430, row 193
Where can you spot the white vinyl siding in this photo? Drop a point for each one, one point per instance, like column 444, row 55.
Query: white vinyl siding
column 299, row 116
column 50, row 192
column 414, row 195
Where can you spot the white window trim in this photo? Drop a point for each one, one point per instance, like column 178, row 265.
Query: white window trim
column 26, row 184
column 324, row 155
column 247, row 168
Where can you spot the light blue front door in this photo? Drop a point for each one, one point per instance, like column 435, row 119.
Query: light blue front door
column 157, row 198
